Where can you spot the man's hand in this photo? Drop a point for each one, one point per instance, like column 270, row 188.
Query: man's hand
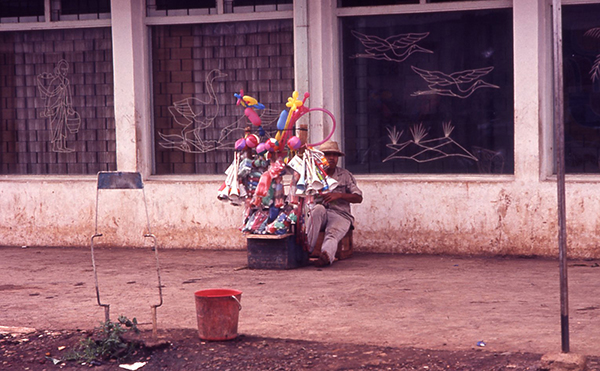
column 330, row 197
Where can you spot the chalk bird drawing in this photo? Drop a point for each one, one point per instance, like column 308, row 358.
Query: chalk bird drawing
column 420, row 150
column 396, row 48
column 56, row 91
column 194, row 115
column 595, row 71
column 237, row 129
column 458, row 84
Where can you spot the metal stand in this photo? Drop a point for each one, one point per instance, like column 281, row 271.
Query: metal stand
column 125, row 181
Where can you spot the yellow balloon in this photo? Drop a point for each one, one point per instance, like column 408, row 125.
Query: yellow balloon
column 249, row 100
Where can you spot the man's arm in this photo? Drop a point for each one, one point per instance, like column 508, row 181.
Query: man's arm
column 348, row 197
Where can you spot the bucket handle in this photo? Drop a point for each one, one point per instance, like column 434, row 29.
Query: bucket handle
column 236, row 299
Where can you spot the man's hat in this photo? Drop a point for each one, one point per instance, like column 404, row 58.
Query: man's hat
column 331, row 147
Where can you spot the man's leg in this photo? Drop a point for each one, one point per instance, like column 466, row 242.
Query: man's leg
column 316, row 221
column 336, row 229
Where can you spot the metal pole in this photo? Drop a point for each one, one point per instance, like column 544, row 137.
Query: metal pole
column 559, row 142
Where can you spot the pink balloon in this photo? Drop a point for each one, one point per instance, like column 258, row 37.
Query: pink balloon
column 240, row 144
column 261, row 148
column 294, row 143
column 252, row 116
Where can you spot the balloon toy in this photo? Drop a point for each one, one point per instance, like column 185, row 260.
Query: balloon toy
column 250, row 104
column 252, row 140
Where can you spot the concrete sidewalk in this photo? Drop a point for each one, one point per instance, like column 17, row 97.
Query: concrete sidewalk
column 431, row 302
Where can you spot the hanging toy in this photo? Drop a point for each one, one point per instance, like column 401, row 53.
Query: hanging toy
column 250, row 104
column 272, row 145
column 252, row 140
column 283, row 116
column 261, row 149
column 240, row 144
column 294, row 143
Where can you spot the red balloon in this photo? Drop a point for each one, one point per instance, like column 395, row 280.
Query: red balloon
column 252, row 140
column 272, row 145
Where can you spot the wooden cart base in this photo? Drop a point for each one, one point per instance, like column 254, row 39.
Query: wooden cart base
column 275, row 252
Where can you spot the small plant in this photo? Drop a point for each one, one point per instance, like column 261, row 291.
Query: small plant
column 106, row 342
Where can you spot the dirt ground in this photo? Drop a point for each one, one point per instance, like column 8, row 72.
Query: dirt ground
column 369, row 312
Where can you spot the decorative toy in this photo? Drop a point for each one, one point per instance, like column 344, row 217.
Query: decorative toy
column 255, row 177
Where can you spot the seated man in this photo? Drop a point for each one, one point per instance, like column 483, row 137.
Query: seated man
column 332, row 215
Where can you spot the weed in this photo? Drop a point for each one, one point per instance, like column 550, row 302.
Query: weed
column 106, row 342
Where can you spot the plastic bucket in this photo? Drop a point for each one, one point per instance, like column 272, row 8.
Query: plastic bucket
column 218, row 312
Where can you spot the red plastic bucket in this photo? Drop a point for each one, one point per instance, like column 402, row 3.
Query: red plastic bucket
column 218, row 313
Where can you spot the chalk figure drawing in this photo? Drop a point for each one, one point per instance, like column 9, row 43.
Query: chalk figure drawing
column 595, row 71
column 426, row 150
column 396, row 48
column 459, row 84
column 56, row 91
column 194, row 115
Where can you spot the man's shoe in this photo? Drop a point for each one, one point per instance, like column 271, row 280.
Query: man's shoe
column 323, row 260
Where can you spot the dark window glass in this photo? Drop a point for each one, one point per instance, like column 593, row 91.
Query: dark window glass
column 184, row 4
column 351, row 3
column 196, row 70
column 581, row 61
column 21, row 8
column 429, row 93
column 451, row 1
column 260, row 2
column 85, row 6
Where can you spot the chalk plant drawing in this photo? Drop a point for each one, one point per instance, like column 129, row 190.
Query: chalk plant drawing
column 595, row 70
column 194, row 115
column 396, row 48
column 56, row 92
column 459, row 84
column 423, row 150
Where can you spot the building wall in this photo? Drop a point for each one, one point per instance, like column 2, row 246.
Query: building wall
column 453, row 214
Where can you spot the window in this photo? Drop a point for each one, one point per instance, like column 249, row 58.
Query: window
column 12, row 11
column 581, row 63
column 56, row 102
column 196, row 71
column 67, row 10
column 197, row 7
column 180, row 7
column 351, row 3
column 17, row 11
column 429, row 92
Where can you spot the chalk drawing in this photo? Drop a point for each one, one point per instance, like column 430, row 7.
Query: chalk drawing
column 56, row 92
column 459, row 84
column 420, row 150
column 194, row 115
column 396, row 48
column 595, row 70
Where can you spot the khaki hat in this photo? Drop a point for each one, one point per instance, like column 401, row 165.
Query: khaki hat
column 331, row 147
